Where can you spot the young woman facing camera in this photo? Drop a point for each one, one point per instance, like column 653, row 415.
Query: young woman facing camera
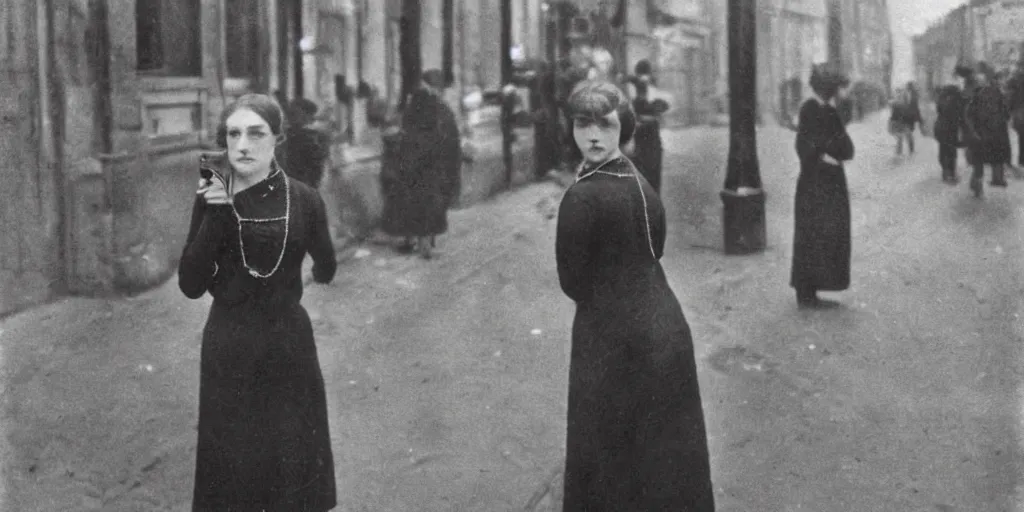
column 263, row 440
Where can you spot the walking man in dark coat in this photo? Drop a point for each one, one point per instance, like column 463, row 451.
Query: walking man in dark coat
column 821, row 238
column 429, row 168
column 949, row 109
column 985, row 130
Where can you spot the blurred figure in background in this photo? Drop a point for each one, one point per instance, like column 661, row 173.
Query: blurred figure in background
column 1015, row 103
column 821, row 235
column 949, row 108
column 903, row 118
column 647, row 150
column 985, row 129
column 426, row 180
column 305, row 148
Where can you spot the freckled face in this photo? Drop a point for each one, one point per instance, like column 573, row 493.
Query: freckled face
column 251, row 143
column 597, row 138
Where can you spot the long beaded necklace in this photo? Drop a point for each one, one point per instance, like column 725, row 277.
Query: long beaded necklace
column 643, row 197
column 284, row 242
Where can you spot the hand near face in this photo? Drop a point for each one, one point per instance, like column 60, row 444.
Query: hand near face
column 213, row 192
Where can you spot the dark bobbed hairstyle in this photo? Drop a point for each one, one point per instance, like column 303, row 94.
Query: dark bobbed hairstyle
column 826, row 80
column 594, row 99
column 263, row 105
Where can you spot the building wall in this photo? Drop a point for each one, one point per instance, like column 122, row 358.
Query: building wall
column 31, row 255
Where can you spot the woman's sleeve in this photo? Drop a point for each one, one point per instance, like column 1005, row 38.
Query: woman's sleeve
column 840, row 145
column 198, row 266
column 321, row 247
column 573, row 244
column 808, row 145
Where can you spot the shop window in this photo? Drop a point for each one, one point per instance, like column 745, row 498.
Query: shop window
column 242, row 25
column 168, row 37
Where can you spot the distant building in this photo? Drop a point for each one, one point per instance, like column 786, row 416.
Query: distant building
column 981, row 30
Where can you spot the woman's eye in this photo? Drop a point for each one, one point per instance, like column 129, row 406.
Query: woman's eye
column 234, row 134
column 256, row 135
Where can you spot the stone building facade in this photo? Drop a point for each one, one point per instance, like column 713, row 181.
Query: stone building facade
column 105, row 105
column 979, row 30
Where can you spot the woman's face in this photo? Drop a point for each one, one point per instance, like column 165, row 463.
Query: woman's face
column 251, row 143
column 598, row 139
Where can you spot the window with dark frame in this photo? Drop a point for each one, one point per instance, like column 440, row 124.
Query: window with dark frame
column 168, row 37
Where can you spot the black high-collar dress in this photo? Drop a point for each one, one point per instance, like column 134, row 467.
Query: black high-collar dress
column 636, row 439
column 263, row 440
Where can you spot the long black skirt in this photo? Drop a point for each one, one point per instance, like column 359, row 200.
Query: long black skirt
column 636, row 437
column 821, row 236
column 263, row 441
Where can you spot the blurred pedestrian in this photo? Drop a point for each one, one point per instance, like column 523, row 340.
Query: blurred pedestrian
column 305, row 148
column 821, row 237
column 647, row 153
column 426, row 182
column 986, row 134
column 263, row 437
column 635, row 438
column 902, row 120
column 949, row 113
column 1015, row 103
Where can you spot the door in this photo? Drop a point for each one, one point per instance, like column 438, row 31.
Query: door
column 30, row 248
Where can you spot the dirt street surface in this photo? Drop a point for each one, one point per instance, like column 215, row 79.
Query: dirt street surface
column 447, row 379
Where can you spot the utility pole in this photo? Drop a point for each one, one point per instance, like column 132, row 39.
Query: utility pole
column 743, row 212
column 506, row 79
column 835, row 34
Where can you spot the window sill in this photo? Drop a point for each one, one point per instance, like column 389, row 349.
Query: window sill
column 157, row 83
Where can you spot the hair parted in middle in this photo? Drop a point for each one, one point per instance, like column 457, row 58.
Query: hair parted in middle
column 262, row 105
column 594, row 99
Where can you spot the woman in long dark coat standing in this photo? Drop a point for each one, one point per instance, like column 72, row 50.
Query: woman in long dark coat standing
column 428, row 177
column 821, row 237
column 635, row 438
column 263, row 439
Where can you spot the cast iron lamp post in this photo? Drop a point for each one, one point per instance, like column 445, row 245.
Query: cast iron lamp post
column 743, row 200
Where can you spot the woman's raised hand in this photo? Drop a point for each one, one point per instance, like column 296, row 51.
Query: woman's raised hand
column 213, row 191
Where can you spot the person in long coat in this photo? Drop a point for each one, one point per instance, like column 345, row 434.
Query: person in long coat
column 949, row 109
column 635, row 437
column 263, row 437
column 427, row 181
column 903, row 118
column 985, row 130
column 305, row 149
column 821, row 236
column 647, row 152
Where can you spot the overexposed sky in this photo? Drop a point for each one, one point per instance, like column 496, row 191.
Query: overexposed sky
column 911, row 17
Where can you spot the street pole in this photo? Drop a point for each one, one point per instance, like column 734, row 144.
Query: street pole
column 506, row 79
column 835, row 34
column 743, row 200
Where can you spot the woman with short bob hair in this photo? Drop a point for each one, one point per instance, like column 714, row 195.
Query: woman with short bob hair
column 263, row 439
column 635, row 436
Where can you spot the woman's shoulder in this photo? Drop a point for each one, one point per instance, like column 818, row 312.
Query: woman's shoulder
column 303, row 192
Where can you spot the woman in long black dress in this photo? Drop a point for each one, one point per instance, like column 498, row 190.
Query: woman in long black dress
column 635, row 437
column 263, row 440
column 821, row 237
